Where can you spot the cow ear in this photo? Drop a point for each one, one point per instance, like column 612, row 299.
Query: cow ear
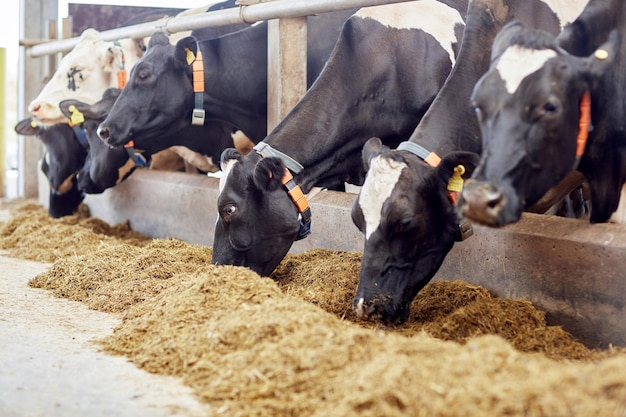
column 455, row 164
column 603, row 58
column 158, row 38
column 373, row 146
column 504, row 38
column 229, row 154
column 186, row 50
column 268, row 174
column 113, row 59
column 28, row 127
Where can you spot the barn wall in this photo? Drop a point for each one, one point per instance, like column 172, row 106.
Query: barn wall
column 571, row 269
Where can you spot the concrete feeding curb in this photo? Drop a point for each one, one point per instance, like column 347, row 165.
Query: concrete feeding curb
column 571, row 269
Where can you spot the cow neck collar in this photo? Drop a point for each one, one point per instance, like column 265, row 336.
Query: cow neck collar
column 76, row 121
column 293, row 189
column 196, row 61
column 122, row 77
column 584, row 126
column 455, row 183
column 264, row 149
column 135, row 156
column 77, row 118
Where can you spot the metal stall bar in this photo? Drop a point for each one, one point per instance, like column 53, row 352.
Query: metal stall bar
column 242, row 14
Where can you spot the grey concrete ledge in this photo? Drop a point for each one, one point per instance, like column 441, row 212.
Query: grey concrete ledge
column 573, row 270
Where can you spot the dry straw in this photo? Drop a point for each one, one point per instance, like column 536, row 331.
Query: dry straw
column 291, row 345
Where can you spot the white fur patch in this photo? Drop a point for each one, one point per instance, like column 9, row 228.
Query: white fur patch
column 566, row 10
column 226, row 168
column 517, row 63
column 381, row 179
column 431, row 16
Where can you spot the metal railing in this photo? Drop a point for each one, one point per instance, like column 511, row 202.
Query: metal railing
column 242, row 14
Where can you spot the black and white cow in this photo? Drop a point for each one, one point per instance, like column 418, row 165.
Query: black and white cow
column 159, row 96
column 406, row 207
column 64, row 156
column 534, row 106
column 94, row 65
column 106, row 167
column 388, row 65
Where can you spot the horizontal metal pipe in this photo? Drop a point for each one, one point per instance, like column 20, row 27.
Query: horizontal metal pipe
column 242, row 14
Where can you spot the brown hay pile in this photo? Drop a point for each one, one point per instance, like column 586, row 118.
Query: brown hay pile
column 455, row 311
column 253, row 346
column 117, row 275
column 250, row 350
column 31, row 234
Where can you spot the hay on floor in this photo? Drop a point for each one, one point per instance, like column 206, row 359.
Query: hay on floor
column 291, row 345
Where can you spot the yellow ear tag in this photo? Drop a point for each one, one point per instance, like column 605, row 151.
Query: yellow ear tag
column 77, row 117
column 190, row 57
column 455, row 183
column 601, row 54
column 33, row 124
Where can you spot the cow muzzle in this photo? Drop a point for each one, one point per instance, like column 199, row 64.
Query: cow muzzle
column 380, row 309
column 482, row 202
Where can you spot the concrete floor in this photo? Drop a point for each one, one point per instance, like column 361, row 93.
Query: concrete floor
column 50, row 365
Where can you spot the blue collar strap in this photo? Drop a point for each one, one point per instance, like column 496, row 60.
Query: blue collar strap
column 136, row 157
column 81, row 136
column 266, row 151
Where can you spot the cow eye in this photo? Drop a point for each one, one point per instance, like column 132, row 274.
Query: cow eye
column 143, row 75
column 403, row 225
column 550, row 107
column 228, row 211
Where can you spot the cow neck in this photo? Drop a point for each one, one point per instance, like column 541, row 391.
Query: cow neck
column 293, row 189
column 234, row 92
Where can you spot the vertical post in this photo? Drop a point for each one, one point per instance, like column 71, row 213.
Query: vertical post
column 286, row 76
column 34, row 15
column 3, row 78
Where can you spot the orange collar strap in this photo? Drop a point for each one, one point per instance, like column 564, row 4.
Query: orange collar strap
column 302, row 204
column 197, row 71
column 121, row 73
column 295, row 192
column 584, row 123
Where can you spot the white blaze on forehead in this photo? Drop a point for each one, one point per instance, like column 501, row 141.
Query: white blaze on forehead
column 431, row 16
column 566, row 10
column 226, row 168
column 517, row 63
column 381, row 179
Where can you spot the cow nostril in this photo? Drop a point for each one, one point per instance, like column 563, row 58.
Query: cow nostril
column 103, row 133
column 494, row 198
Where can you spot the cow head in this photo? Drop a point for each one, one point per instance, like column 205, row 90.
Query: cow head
column 64, row 155
column 104, row 167
column 529, row 104
column 410, row 224
column 258, row 220
column 63, row 158
column 83, row 74
column 158, row 97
